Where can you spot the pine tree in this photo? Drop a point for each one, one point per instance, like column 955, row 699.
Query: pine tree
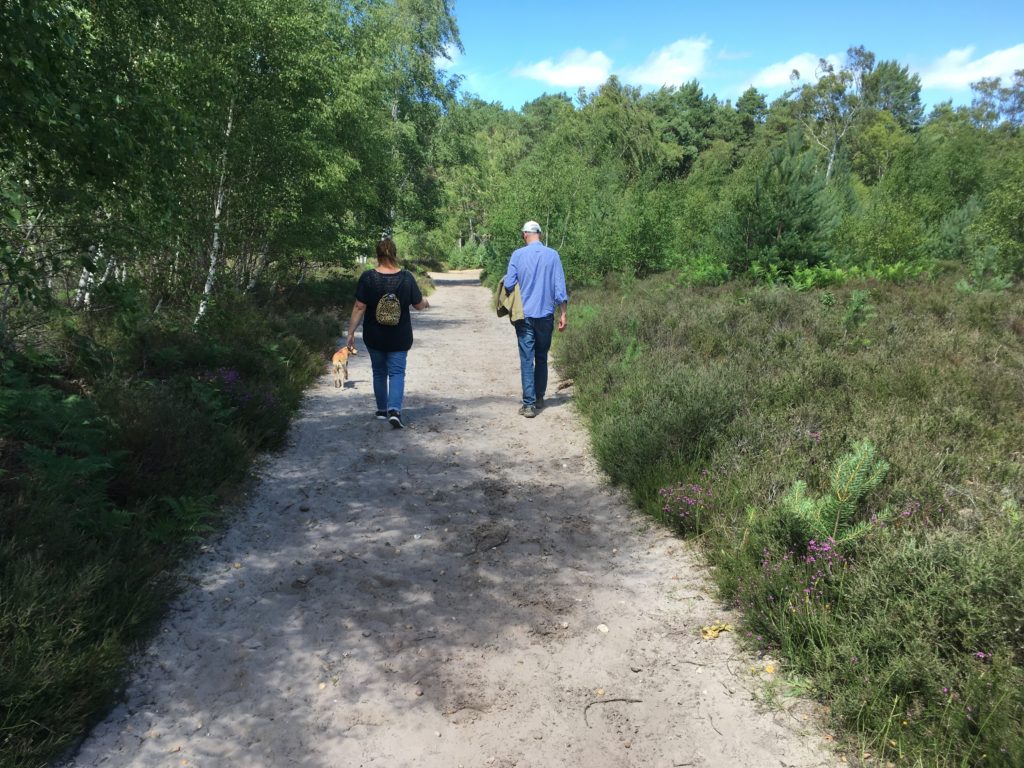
column 834, row 515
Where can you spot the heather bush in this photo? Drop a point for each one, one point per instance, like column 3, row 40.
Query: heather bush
column 119, row 440
column 886, row 573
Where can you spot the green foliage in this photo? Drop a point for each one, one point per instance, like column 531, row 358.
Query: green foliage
column 117, row 448
column 953, row 241
column 828, row 108
column 915, row 643
column 842, row 178
column 831, row 517
column 933, row 618
column 890, row 89
column 183, row 519
column 191, row 147
column 858, row 309
column 996, row 105
column 882, row 232
column 1000, row 224
column 700, row 270
column 468, row 257
column 782, row 218
column 655, row 419
column 985, row 273
column 876, row 146
column 942, row 169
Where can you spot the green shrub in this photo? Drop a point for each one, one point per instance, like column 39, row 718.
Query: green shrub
column 660, row 416
column 117, row 446
column 782, row 212
column 1000, row 224
column 72, row 595
column 700, row 270
column 469, row 256
column 882, row 232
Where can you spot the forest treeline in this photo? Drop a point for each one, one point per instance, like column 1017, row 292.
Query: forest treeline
column 843, row 175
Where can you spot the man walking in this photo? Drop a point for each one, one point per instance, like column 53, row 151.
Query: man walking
column 537, row 270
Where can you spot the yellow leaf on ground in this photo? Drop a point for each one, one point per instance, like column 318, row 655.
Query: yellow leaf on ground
column 711, row 631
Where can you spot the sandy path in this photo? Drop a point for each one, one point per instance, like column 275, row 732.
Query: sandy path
column 432, row 597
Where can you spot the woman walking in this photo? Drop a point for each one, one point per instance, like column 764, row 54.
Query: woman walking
column 383, row 297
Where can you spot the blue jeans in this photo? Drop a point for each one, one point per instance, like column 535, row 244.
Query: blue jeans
column 534, row 334
column 388, row 378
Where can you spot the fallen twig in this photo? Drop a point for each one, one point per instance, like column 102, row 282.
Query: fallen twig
column 476, row 548
column 462, row 708
column 715, row 726
column 607, row 701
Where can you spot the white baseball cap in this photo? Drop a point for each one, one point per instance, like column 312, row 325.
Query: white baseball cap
column 531, row 226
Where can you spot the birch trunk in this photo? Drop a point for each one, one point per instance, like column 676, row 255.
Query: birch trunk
column 111, row 268
column 218, row 207
column 257, row 271
column 172, row 276
column 82, row 295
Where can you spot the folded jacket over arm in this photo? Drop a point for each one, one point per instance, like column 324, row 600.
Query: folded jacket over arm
column 510, row 303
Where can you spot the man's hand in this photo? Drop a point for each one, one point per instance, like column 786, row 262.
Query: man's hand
column 563, row 321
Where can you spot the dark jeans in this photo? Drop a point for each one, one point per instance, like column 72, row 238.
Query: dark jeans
column 388, row 378
column 534, row 334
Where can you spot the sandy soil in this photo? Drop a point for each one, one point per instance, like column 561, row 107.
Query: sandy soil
column 466, row 592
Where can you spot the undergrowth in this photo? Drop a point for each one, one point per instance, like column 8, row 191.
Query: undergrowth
column 122, row 434
column 850, row 460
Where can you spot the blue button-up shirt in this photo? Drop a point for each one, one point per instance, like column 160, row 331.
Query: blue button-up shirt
column 538, row 270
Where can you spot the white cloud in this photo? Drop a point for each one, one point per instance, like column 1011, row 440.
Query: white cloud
column 957, row 70
column 674, row 64
column 449, row 59
column 777, row 75
column 725, row 55
column 577, row 68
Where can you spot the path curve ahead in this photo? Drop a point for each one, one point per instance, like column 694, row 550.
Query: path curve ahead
column 466, row 592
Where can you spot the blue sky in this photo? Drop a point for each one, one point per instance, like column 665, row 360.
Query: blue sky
column 517, row 51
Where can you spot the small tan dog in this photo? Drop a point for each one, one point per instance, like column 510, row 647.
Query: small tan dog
column 340, row 363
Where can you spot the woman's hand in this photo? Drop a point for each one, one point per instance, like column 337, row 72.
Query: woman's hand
column 358, row 308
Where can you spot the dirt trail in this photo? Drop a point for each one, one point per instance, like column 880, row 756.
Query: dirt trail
column 466, row 592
